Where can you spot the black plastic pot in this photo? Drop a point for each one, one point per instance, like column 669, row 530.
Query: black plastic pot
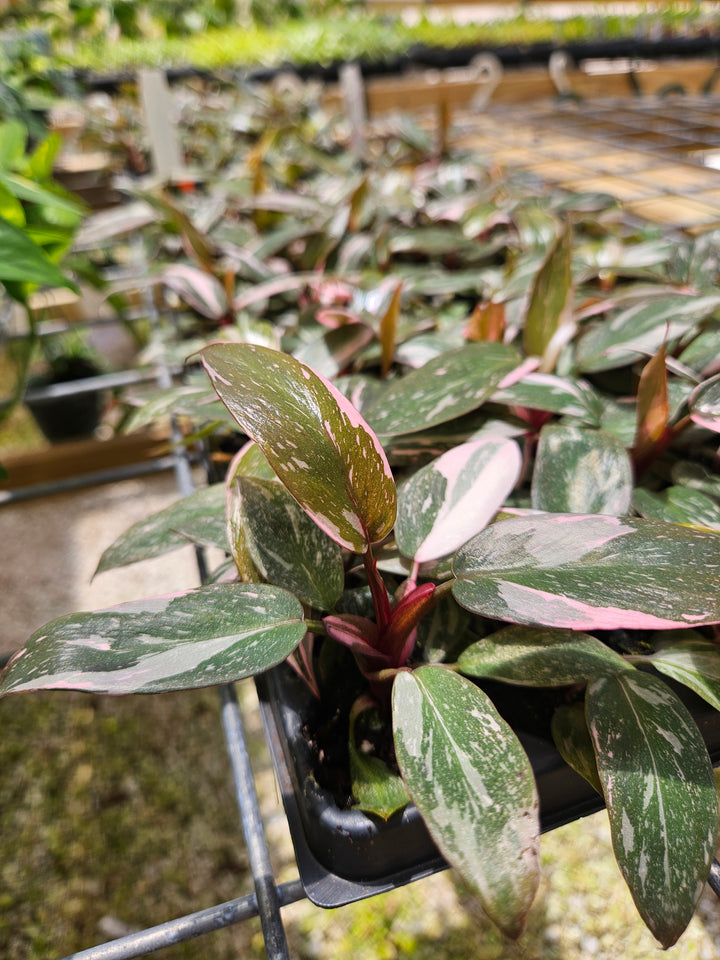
column 66, row 414
column 347, row 855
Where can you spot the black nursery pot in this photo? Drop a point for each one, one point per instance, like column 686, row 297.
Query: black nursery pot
column 71, row 417
column 347, row 855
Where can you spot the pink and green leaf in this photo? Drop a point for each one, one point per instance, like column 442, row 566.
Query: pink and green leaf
column 591, row 572
column 451, row 499
column 549, row 322
column 314, row 439
column 694, row 662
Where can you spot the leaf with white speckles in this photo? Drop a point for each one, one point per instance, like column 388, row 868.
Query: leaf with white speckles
column 314, row 439
column 581, row 471
column 694, row 662
column 678, row 505
column 705, row 404
column 444, row 388
column 473, row 784
column 285, row 545
column 536, row 657
column 553, row 394
column 660, row 793
column 448, row 501
column 591, row 572
column 199, row 518
column 212, row 635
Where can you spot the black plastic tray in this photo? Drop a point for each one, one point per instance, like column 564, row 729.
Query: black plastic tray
column 347, row 855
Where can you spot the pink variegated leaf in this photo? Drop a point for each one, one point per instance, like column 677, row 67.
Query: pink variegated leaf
column 314, row 439
column 591, row 572
column 705, row 404
column 200, row 290
column 451, row 499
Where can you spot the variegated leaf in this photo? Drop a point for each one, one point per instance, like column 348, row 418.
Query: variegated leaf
column 581, row 471
column 285, row 545
column 705, row 404
column 678, row 505
column 553, row 394
column 534, row 657
column 314, row 439
column 473, row 784
column 660, row 793
column 445, row 503
column 199, row 289
column 640, row 330
column 199, row 518
column 594, row 572
column 331, row 353
column 216, row 634
column 693, row 662
column 444, row 388
column 549, row 321
column 572, row 738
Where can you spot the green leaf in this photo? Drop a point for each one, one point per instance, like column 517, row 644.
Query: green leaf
column 21, row 260
column 375, row 787
column 574, row 744
column 594, row 572
column 549, row 321
column 448, row 501
column 31, row 192
column 284, row 544
column 314, row 439
column 444, row 388
column 640, row 330
column 678, row 505
column 213, row 635
column 199, row 518
column 553, row 394
column 472, row 783
column 660, row 793
column 533, row 657
column 693, row 662
column 336, row 349
column 13, row 140
column 581, row 471
column 705, row 404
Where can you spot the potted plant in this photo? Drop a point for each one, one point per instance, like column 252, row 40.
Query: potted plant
column 478, row 517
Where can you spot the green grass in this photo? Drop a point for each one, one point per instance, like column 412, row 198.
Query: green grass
column 353, row 35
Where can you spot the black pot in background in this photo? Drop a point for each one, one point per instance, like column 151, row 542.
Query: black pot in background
column 73, row 416
column 347, row 855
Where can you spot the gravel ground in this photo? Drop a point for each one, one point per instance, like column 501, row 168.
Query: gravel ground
column 583, row 910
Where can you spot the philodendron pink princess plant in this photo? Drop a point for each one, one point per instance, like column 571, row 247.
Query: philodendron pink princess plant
column 314, row 516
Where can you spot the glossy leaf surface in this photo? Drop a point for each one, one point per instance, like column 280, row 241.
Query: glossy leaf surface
column 213, row 635
column 444, row 388
column 594, row 572
column 581, row 471
column 473, row 784
column 286, row 546
column 540, row 658
column 375, row 787
column 199, row 518
column 678, row 505
column 660, row 794
column 693, row 662
column 572, row 738
column 548, row 392
column 445, row 503
column 705, row 404
column 314, row 439
column 640, row 330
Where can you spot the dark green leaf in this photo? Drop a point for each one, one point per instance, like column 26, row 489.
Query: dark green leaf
column 694, row 662
column 660, row 794
column 534, row 657
column 572, row 739
column 470, row 779
column 678, row 505
column 213, row 635
column 375, row 787
column 21, row 260
column 581, row 471
column 549, row 321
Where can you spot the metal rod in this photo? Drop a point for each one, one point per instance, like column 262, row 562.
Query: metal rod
column 186, row 928
column 714, row 878
column 258, row 853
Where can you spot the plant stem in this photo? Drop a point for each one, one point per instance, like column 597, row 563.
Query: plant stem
column 377, row 590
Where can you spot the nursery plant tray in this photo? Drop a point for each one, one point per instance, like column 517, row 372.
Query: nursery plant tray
column 347, row 855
